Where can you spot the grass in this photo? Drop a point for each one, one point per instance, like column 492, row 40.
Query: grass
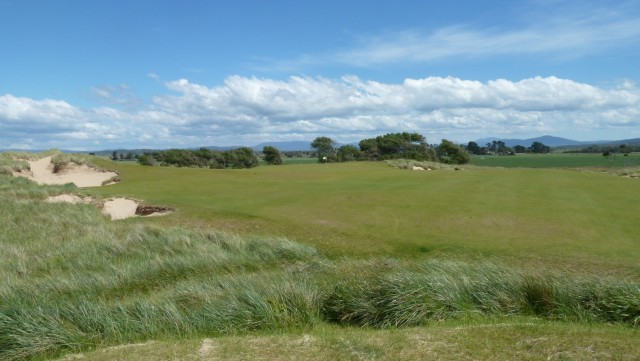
column 73, row 281
column 558, row 160
column 363, row 209
column 499, row 339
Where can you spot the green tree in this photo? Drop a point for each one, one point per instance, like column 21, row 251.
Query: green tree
column 272, row 155
column 519, row 149
column 537, row 147
column 146, row 159
column 397, row 145
column 474, row 148
column 449, row 152
column 325, row 148
column 348, row 153
column 241, row 158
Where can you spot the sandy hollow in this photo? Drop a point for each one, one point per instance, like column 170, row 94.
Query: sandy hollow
column 81, row 175
column 120, row 208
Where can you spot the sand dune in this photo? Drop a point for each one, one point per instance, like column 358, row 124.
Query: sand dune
column 80, row 175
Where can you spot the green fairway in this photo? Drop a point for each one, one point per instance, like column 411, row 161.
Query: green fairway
column 364, row 208
column 557, row 160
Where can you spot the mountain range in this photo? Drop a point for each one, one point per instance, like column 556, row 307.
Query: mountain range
column 557, row 141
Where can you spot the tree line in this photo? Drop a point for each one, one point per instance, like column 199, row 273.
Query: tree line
column 389, row 146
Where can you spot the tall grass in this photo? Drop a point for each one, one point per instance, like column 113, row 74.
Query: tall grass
column 383, row 294
column 74, row 280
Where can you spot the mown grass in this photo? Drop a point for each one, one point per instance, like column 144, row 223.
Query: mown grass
column 75, row 281
column 558, row 160
column 550, row 216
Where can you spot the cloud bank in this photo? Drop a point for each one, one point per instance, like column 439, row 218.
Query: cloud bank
column 249, row 110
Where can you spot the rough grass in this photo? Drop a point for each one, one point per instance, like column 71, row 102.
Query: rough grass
column 498, row 339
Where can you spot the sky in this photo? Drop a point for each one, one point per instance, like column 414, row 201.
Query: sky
column 96, row 75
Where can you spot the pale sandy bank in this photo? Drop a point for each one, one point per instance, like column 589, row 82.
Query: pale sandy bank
column 81, row 175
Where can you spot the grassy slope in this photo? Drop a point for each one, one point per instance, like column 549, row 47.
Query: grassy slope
column 357, row 209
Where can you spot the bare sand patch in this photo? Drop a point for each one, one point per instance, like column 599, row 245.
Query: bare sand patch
column 122, row 208
column 67, row 198
column 42, row 172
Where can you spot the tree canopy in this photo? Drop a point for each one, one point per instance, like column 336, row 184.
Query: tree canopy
column 325, row 149
column 272, row 155
column 451, row 153
column 395, row 146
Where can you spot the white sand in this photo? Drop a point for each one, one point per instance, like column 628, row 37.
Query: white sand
column 120, row 208
column 81, row 176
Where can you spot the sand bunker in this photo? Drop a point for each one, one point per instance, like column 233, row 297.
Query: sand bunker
column 81, row 175
column 121, row 208
column 116, row 208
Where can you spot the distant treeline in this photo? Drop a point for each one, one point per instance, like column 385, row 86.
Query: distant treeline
column 389, row 146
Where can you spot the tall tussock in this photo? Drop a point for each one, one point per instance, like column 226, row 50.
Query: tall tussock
column 409, row 295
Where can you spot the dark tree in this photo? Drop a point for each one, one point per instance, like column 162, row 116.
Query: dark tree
column 449, row 152
column 519, row 149
column 474, row 148
column 325, row 148
column 397, row 145
column 537, row 147
column 272, row 155
column 348, row 153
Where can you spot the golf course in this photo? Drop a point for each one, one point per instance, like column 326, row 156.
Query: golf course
column 537, row 260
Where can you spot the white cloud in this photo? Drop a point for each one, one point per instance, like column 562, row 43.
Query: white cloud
column 246, row 110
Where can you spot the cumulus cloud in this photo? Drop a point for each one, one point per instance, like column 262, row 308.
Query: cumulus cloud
column 248, row 110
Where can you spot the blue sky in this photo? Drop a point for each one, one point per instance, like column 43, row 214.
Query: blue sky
column 91, row 75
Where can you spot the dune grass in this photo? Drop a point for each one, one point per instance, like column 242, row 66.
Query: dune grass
column 74, row 281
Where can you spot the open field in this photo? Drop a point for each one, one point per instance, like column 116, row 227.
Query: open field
column 378, row 263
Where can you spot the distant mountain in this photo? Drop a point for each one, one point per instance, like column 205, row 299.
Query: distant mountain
column 553, row 141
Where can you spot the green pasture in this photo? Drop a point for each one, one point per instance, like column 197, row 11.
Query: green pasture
column 362, row 209
column 557, row 160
